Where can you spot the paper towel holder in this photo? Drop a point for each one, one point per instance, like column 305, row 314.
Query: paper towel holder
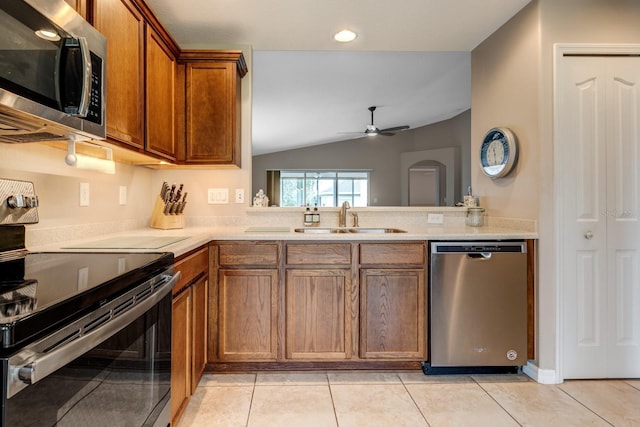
column 83, row 161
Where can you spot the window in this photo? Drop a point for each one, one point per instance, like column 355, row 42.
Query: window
column 324, row 188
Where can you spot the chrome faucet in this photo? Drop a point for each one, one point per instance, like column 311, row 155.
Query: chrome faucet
column 342, row 219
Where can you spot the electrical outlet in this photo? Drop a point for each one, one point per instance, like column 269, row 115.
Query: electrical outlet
column 239, row 195
column 123, row 195
column 84, row 194
column 435, row 218
column 217, row 196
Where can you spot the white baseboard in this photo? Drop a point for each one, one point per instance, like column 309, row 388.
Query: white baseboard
column 543, row 376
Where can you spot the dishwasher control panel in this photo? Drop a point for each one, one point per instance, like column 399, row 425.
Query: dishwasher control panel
column 478, row 247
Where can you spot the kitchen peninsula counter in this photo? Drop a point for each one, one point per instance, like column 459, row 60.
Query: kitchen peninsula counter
column 420, row 223
column 194, row 237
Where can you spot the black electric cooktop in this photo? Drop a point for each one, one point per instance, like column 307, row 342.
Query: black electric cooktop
column 41, row 290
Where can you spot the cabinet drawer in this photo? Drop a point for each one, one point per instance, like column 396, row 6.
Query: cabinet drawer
column 248, row 254
column 318, row 253
column 190, row 267
column 392, row 253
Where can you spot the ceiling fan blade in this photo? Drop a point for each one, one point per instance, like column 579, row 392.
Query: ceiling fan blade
column 395, row 129
column 386, row 133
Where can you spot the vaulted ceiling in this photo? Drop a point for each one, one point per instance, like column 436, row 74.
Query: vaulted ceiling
column 411, row 59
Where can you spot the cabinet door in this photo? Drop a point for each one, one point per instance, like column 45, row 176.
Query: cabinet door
column 392, row 314
column 181, row 353
column 160, row 93
column 247, row 310
column 80, row 6
column 123, row 26
column 199, row 295
column 213, row 108
column 318, row 324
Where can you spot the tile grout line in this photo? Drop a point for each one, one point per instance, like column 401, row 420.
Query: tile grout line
column 584, row 406
column 333, row 403
column 253, row 392
column 631, row 385
column 414, row 402
column 497, row 403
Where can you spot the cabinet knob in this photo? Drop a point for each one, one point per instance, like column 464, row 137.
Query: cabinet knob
column 588, row 235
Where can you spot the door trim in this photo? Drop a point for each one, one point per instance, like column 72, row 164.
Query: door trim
column 561, row 50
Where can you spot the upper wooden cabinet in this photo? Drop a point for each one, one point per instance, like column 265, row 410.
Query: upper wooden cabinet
column 212, row 97
column 79, row 5
column 122, row 23
column 141, row 77
column 160, row 96
column 177, row 105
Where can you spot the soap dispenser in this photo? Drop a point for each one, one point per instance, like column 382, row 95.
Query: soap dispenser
column 316, row 215
column 470, row 200
column 308, row 217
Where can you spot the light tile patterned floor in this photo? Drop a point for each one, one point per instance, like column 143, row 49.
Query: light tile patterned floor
column 397, row 399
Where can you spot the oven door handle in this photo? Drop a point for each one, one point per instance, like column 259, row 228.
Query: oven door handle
column 31, row 365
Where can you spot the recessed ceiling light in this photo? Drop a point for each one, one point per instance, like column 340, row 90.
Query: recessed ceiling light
column 345, row 36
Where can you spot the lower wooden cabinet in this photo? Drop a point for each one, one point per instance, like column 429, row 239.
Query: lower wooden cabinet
column 247, row 310
column 199, row 296
column 180, row 354
column 318, row 314
column 392, row 314
column 188, row 330
column 348, row 303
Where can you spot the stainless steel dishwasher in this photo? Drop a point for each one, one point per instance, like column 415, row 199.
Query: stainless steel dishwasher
column 478, row 307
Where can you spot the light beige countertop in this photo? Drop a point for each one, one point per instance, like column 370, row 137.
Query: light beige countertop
column 275, row 224
column 190, row 238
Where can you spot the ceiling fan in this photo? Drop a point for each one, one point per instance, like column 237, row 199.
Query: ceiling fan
column 372, row 130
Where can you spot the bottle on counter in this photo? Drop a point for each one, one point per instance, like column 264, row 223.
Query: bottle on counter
column 316, row 216
column 308, row 217
column 475, row 217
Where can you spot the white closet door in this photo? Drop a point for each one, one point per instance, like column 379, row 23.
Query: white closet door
column 623, row 216
column 597, row 133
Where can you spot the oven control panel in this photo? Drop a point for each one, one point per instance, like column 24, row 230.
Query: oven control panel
column 19, row 202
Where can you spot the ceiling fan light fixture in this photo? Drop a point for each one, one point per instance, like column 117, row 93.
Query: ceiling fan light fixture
column 345, row 36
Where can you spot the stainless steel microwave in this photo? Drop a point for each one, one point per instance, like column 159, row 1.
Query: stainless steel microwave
column 52, row 73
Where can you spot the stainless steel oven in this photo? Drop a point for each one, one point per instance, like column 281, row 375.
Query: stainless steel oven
column 85, row 338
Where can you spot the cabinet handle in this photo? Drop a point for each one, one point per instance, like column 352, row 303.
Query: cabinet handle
column 588, row 235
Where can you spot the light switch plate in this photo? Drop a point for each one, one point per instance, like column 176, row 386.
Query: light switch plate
column 217, row 196
column 84, row 194
column 123, row 195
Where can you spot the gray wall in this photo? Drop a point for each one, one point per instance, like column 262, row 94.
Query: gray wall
column 379, row 154
column 512, row 85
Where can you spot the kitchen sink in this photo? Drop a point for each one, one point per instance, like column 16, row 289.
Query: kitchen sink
column 376, row 230
column 349, row 230
column 320, row 230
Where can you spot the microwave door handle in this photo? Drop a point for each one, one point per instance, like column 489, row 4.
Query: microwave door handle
column 83, row 108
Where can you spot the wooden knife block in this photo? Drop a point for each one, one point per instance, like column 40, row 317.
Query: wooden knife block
column 165, row 222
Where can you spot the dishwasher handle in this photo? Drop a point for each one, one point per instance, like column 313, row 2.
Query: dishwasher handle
column 480, row 255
